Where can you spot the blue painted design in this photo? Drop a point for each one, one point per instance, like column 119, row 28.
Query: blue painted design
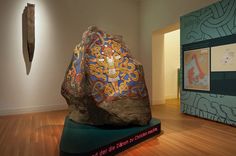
column 215, row 21
column 93, row 78
column 78, row 64
column 126, row 77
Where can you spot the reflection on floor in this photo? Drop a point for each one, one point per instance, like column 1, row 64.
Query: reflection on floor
column 39, row 134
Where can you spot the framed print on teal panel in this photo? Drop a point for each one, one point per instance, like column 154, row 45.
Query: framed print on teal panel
column 223, row 58
column 210, row 66
column 197, row 69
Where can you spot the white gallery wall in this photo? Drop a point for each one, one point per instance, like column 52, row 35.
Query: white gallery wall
column 59, row 26
column 155, row 15
column 171, row 62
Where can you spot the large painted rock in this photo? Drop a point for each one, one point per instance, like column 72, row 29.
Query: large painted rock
column 104, row 84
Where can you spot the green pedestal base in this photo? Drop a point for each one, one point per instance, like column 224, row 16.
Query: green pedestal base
column 78, row 139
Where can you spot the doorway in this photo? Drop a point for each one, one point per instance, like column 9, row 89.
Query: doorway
column 171, row 64
column 165, row 63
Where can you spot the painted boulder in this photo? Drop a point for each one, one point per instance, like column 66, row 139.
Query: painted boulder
column 104, row 84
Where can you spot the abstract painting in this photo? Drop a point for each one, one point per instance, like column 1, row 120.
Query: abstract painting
column 196, row 69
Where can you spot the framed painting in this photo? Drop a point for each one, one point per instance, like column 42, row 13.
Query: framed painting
column 223, row 58
column 196, row 67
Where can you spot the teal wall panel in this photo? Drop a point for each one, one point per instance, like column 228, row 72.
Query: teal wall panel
column 214, row 21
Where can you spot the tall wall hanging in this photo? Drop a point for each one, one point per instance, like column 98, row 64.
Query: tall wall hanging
column 29, row 15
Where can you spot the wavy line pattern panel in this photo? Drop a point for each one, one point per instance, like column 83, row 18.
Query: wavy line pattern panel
column 215, row 21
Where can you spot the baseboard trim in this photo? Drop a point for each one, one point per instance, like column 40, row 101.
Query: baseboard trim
column 31, row 109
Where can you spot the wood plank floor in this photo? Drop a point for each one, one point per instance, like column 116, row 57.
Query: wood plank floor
column 39, row 134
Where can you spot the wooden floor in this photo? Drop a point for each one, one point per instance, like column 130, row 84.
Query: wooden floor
column 182, row 135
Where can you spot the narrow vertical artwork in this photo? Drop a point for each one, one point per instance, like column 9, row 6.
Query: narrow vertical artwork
column 29, row 14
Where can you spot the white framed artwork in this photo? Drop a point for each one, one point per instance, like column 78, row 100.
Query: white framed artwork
column 197, row 69
column 223, row 58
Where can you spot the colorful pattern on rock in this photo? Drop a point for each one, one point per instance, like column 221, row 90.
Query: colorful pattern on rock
column 102, row 72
